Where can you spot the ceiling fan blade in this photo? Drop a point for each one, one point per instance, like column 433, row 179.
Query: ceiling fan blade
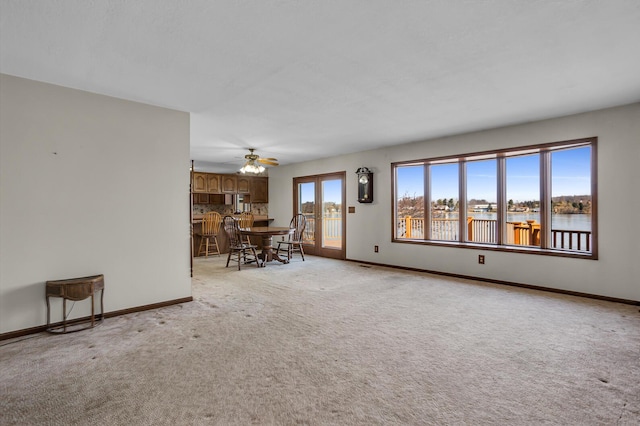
column 267, row 162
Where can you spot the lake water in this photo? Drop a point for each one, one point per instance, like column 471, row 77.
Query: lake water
column 569, row 222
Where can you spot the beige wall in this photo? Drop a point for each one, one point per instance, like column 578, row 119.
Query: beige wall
column 615, row 274
column 89, row 184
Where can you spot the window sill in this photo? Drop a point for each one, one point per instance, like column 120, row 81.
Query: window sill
column 502, row 248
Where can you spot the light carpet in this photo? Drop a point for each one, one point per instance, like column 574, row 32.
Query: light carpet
column 326, row 342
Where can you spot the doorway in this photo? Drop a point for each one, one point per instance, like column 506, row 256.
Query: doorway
column 321, row 199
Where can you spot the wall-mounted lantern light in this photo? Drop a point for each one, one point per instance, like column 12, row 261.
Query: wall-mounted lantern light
column 365, row 185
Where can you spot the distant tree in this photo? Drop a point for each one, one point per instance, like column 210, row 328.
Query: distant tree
column 308, row 207
column 510, row 204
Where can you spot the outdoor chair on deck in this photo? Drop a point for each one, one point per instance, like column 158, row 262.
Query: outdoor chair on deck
column 209, row 233
column 236, row 245
column 294, row 242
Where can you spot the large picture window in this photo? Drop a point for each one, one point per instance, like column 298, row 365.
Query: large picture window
column 534, row 199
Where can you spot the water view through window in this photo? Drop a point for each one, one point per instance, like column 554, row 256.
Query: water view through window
column 559, row 173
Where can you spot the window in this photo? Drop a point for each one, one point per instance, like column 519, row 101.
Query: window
column 523, row 200
column 409, row 185
column 535, row 199
column 482, row 208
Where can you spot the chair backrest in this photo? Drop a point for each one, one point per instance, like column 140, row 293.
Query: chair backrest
column 299, row 223
column 231, row 227
column 211, row 223
column 246, row 220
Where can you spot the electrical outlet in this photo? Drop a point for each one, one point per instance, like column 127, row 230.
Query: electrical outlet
column 375, row 249
column 481, row 259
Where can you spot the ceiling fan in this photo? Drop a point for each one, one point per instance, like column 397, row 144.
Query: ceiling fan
column 254, row 163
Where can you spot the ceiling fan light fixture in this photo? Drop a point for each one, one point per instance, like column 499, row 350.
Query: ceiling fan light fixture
column 251, row 167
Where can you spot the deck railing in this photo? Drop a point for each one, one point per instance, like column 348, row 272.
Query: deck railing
column 485, row 231
column 331, row 227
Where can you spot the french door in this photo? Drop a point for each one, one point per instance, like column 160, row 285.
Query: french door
column 321, row 198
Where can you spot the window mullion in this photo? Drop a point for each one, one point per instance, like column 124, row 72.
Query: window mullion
column 427, row 202
column 462, row 201
column 545, row 199
column 501, row 231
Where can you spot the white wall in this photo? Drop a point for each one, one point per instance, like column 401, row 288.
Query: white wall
column 89, row 184
column 615, row 274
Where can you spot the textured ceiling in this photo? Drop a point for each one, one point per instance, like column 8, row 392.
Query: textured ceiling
column 300, row 80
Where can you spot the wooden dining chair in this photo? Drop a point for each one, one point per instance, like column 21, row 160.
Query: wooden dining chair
column 243, row 251
column 294, row 242
column 246, row 221
column 209, row 233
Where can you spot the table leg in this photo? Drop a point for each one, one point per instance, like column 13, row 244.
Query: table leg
column 102, row 304
column 48, row 314
column 267, row 250
column 93, row 317
column 64, row 314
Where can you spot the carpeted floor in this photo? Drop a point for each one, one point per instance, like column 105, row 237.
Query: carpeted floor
column 326, row 342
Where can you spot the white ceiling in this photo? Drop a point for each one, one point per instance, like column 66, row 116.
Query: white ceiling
column 305, row 79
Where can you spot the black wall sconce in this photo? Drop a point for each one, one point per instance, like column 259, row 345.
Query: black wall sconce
column 365, row 185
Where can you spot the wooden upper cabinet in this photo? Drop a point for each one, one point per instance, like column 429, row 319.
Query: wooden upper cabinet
column 229, row 184
column 214, row 184
column 260, row 190
column 199, row 182
column 244, row 185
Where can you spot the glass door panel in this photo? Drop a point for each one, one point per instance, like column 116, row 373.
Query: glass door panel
column 307, row 206
column 332, row 214
column 321, row 199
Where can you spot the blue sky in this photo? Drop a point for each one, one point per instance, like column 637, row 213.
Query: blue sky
column 570, row 171
column 332, row 191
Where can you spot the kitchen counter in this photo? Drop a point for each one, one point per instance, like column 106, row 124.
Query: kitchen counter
column 197, row 218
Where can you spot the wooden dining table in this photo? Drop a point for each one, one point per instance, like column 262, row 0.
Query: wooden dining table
column 267, row 233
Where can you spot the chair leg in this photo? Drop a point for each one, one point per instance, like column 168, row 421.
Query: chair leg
column 215, row 241
column 255, row 255
column 239, row 258
column 200, row 246
column 301, row 251
column 206, row 249
column 228, row 258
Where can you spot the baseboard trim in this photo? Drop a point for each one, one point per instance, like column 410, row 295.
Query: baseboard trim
column 509, row 283
column 41, row 328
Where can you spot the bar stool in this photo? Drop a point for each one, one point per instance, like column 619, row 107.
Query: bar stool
column 210, row 227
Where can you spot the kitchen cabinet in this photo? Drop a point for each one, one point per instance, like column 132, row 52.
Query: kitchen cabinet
column 260, row 190
column 213, row 188
column 229, row 184
column 214, row 184
column 244, row 184
column 199, row 182
column 219, row 199
column 199, row 198
column 207, row 183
